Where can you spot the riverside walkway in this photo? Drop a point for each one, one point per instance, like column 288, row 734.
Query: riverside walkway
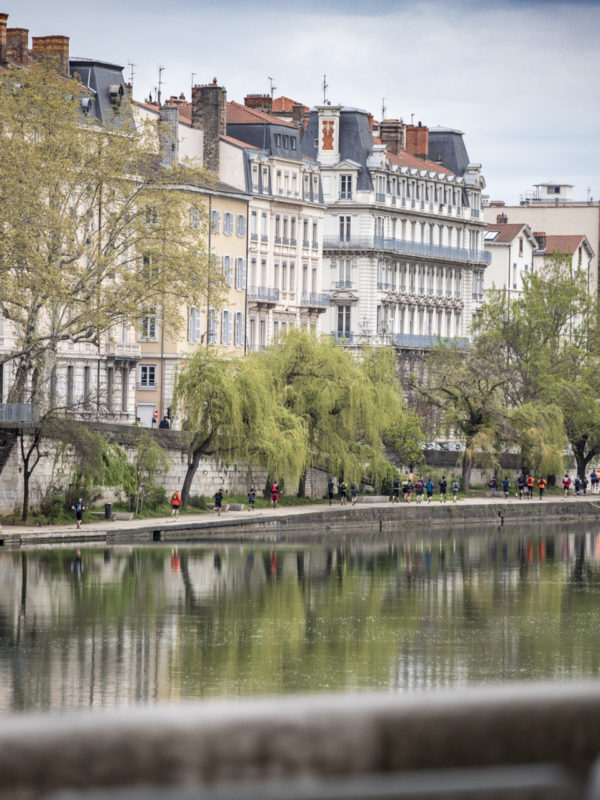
column 272, row 525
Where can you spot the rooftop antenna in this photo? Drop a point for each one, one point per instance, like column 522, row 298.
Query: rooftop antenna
column 383, row 108
column 131, row 71
column 325, row 87
column 273, row 87
column 160, row 83
column 412, row 118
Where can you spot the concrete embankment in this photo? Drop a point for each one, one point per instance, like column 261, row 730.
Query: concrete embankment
column 311, row 522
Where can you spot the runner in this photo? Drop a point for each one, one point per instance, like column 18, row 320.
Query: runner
column 218, row 501
column 505, row 487
column 343, row 489
column 409, row 490
column 274, row 494
column 354, row 492
column 330, row 490
column 419, row 487
column 529, row 486
column 493, row 484
column 542, row 483
column 396, row 490
column 520, row 485
column 566, row 484
column 455, row 488
column 429, row 487
column 443, row 489
column 251, row 499
column 175, row 503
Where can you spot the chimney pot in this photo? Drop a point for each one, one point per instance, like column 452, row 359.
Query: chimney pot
column 501, row 219
column 3, row 48
column 52, row 47
column 417, row 140
column 17, row 45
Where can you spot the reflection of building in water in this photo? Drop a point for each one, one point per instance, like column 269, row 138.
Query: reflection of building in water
column 407, row 613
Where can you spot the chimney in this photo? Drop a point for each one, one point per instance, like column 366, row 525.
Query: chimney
column 392, row 133
column 259, row 102
column 129, row 87
column 55, row 48
column 3, row 48
column 540, row 237
column 168, row 132
column 298, row 118
column 209, row 113
column 417, row 140
column 501, row 219
column 17, row 45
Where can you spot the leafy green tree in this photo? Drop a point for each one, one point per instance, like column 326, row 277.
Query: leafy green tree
column 548, row 342
column 467, row 386
column 93, row 232
column 232, row 411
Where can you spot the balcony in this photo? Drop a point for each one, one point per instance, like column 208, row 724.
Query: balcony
column 380, row 197
column 277, row 239
column 117, row 350
column 429, row 251
column 254, row 237
column 315, row 299
column 417, row 342
column 475, row 212
column 343, row 284
column 384, row 287
column 342, row 337
column 264, row 238
column 265, row 294
column 305, row 243
column 19, row 412
column 345, row 195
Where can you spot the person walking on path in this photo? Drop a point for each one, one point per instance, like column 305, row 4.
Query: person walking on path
column 354, row 492
column 506, row 487
column 78, row 508
column 396, row 490
column 455, row 488
column 274, row 494
column 429, row 487
column 566, row 484
column 218, row 501
column 175, row 503
column 542, row 483
column 443, row 489
column 251, row 499
column 520, row 485
column 493, row 484
column 343, row 488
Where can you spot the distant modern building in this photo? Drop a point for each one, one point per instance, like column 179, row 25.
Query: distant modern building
column 403, row 245
column 551, row 209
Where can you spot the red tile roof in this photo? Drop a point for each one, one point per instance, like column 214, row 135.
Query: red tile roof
column 406, row 159
column 507, row 231
column 285, row 105
column 564, row 245
column 238, row 114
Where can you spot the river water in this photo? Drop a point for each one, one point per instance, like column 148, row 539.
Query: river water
column 127, row 625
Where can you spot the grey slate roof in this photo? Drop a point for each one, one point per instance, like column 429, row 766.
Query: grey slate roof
column 446, row 146
column 98, row 76
column 356, row 140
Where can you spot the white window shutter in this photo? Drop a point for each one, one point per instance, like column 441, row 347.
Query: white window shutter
column 229, row 327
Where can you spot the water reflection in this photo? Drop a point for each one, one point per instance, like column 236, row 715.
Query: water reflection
column 109, row 627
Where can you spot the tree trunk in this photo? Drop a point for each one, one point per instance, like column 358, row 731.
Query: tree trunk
column 189, row 476
column 467, row 466
column 581, row 458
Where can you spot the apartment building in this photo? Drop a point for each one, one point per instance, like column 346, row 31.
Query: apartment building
column 551, row 210
column 403, row 237
column 96, row 379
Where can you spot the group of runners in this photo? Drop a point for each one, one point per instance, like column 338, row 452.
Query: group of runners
column 525, row 485
column 422, row 489
column 343, row 491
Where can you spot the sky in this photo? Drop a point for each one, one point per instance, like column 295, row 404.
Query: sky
column 520, row 78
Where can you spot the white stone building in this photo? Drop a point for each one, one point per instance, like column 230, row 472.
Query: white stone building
column 403, row 240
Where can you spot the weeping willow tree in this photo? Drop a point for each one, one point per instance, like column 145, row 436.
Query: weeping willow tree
column 231, row 412
column 538, row 431
column 345, row 404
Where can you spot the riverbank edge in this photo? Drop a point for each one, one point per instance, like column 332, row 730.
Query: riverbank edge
column 310, row 523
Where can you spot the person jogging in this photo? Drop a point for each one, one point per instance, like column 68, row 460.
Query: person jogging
column 251, row 499
column 330, row 490
column 419, row 488
column 443, row 489
column 493, row 484
column 542, row 483
column 455, row 488
column 274, row 494
column 506, row 487
column 175, row 503
column 529, row 485
column 429, row 487
column 396, row 491
column 218, row 501
column 354, row 492
column 78, row 508
column 343, row 488
column 520, row 485
column 566, row 484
